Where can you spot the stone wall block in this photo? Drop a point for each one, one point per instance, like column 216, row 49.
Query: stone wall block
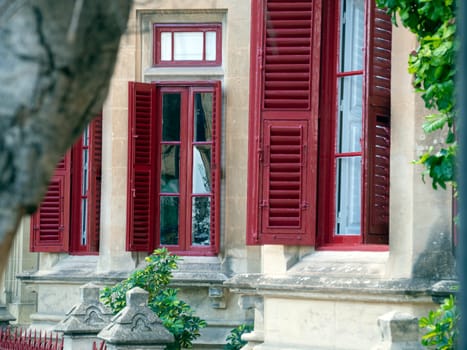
column 136, row 326
column 399, row 331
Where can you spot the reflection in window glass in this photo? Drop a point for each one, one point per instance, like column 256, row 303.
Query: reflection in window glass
column 348, row 195
column 202, row 169
column 352, row 34
column 169, row 220
column 201, row 221
column 170, row 168
column 188, row 46
column 166, row 46
column 203, row 116
column 349, row 119
column 171, row 116
column 210, row 46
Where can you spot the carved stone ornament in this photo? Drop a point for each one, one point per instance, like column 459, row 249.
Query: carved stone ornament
column 136, row 323
column 87, row 317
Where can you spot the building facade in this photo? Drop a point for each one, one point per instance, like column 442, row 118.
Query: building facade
column 267, row 142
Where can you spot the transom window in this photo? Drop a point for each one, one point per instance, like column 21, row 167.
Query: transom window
column 187, row 44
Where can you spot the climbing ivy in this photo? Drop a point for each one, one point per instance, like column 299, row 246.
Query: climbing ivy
column 433, row 67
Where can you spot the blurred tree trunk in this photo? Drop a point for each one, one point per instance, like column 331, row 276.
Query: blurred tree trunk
column 56, row 60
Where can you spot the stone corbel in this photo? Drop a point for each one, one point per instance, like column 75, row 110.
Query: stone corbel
column 218, row 296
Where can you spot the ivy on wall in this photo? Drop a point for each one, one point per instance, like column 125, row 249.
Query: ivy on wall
column 433, row 67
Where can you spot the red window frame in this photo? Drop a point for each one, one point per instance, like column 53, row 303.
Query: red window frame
column 328, row 155
column 145, row 140
column 328, row 147
column 158, row 28
column 92, row 195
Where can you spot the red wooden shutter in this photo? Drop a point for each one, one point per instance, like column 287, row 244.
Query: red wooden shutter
column 50, row 224
column 95, row 171
column 141, row 167
column 285, row 200
column 215, row 169
column 378, row 87
column 283, row 121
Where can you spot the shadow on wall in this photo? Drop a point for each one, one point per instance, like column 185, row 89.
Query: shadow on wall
column 437, row 260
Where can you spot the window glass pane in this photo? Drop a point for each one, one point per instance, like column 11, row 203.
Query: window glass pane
column 202, row 169
column 348, row 196
column 84, row 186
column 84, row 221
column 166, row 46
column 349, row 119
column 188, row 46
column 170, row 169
column 171, row 116
column 352, row 35
column 169, row 220
column 201, row 221
column 210, row 46
column 203, row 116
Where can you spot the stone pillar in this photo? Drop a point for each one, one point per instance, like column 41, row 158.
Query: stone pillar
column 255, row 337
column 420, row 218
column 84, row 320
column 136, row 327
column 399, row 331
column 5, row 317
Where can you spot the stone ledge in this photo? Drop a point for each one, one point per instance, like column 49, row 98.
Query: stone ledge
column 77, row 270
column 332, row 288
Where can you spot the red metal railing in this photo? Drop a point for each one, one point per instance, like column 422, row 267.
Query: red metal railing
column 20, row 339
column 102, row 346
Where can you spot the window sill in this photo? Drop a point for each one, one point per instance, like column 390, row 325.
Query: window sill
column 354, row 247
column 165, row 73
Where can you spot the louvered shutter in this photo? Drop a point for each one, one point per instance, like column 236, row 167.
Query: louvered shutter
column 283, row 122
column 215, row 169
column 378, row 126
column 95, row 171
column 141, row 167
column 50, row 225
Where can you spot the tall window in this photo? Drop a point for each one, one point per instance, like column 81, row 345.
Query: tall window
column 174, row 200
column 354, row 133
column 68, row 218
column 319, row 123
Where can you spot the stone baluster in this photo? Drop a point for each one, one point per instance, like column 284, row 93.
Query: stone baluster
column 136, row 327
column 84, row 320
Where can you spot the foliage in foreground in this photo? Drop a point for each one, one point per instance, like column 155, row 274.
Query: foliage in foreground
column 433, row 67
column 176, row 315
column 441, row 326
column 234, row 339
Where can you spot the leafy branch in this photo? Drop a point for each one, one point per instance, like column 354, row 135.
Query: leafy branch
column 432, row 65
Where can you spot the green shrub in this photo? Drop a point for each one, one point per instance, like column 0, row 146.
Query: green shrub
column 234, row 339
column 441, row 326
column 176, row 315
